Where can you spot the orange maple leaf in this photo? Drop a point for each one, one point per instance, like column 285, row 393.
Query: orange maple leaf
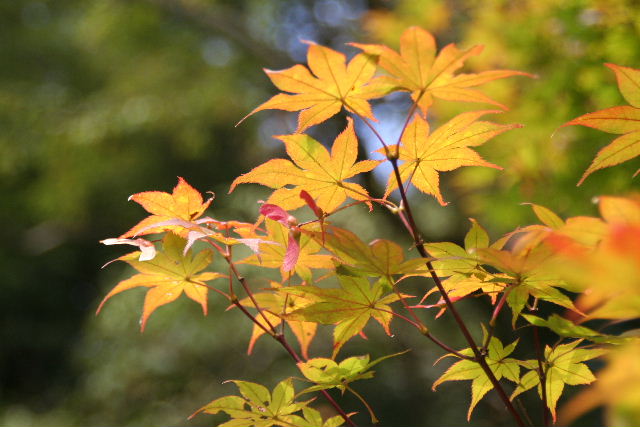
column 184, row 203
column 170, row 273
column 333, row 85
column 418, row 70
column 322, row 174
column 446, row 149
column 623, row 120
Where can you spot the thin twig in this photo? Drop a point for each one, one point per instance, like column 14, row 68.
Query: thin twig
column 480, row 357
column 494, row 317
column 278, row 336
column 543, row 376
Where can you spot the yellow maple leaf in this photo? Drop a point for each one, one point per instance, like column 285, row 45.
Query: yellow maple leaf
column 447, row 148
column 322, row 174
column 185, row 203
column 320, row 91
column 419, row 70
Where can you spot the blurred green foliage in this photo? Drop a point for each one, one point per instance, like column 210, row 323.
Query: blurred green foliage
column 100, row 99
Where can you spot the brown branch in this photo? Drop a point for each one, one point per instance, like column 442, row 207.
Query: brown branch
column 278, row 336
column 412, row 228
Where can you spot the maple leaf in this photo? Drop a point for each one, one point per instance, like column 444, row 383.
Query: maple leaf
column 321, row 174
column 530, row 276
column 418, row 70
column 605, row 266
column 313, row 418
column 623, row 120
column 327, row 374
column 379, row 258
column 275, row 255
column 350, row 307
column 424, row 155
column 500, row 364
column 168, row 275
column 257, row 406
column 275, row 306
column 566, row 328
column 328, row 85
column 462, row 265
column 563, row 365
column 617, row 388
column 184, row 203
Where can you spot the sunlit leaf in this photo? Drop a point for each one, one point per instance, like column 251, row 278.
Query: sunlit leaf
column 168, row 275
column 257, row 406
column 500, row 364
column 349, row 307
column 623, row 120
column 418, row 70
column 185, row 203
column 321, row 174
column 563, row 366
column 329, row 84
column 424, row 154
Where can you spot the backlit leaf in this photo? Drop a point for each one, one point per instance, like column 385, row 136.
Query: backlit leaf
column 418, row 70
column 566, row 328
column 563, row 366
column 321, row 174
column 624, row 120
column 184, row 203
column 329, row 84
column 257, row 406
column 379, row 258
column 349, row 307
column 327, row 374
column 500, row 364
column 170, row 273
column 424, row 154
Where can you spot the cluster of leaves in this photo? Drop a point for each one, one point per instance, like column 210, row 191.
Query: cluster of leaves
column 359, row 282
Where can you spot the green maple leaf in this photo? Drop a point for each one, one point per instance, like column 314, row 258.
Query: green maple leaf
column 566, row 328
column 380, row 258
column 257, row 406
column 327, row 374
column 500, row 364
column 563, row 366
column 349, row 307
column 313, row 418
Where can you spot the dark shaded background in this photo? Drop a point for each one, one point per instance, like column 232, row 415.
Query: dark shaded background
column 100, row 99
